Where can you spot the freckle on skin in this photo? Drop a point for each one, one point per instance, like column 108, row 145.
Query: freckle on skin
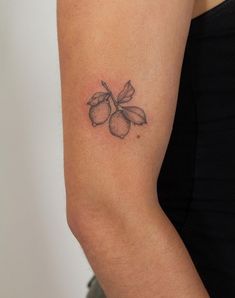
column 138, row 136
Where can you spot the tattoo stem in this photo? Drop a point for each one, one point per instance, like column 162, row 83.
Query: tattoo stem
column 111, row 94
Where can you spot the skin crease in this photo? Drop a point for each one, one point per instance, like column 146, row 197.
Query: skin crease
column 112, row 207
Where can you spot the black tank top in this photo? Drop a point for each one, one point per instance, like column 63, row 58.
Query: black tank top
column 196, row 186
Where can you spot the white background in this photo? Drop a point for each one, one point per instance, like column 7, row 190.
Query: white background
column 39, row 256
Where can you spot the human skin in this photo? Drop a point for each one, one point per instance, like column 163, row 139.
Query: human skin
column 111, row 199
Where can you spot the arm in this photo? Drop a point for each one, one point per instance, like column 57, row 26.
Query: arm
column 111, row 167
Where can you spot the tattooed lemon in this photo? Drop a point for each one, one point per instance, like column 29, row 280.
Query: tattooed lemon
column 119, row 126
column 100, row 112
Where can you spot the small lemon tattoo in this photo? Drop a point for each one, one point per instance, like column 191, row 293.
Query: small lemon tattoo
column 119, row 125
column 122, row 117
column 99, row 113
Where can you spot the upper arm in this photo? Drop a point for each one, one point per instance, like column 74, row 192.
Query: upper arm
column 117, row 41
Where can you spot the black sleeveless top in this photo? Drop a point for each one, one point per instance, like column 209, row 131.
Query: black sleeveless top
column 196, row 186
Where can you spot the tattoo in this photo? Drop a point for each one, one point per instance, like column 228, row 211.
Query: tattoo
column 121, row 118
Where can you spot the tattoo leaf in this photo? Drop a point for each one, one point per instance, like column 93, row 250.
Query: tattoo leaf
column 126, row 94
column 98, row 97
column 135, row 115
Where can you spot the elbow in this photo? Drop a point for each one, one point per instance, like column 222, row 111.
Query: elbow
column 77, row 216
column 73, row 217
column 84, row 214
column 91, row 210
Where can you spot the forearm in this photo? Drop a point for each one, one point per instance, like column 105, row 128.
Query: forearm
column 136, row 252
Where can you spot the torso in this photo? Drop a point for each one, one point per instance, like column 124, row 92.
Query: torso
column 196, row 184
column 202, row 6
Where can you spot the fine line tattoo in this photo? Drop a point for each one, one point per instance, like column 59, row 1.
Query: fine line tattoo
column 121, row 118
